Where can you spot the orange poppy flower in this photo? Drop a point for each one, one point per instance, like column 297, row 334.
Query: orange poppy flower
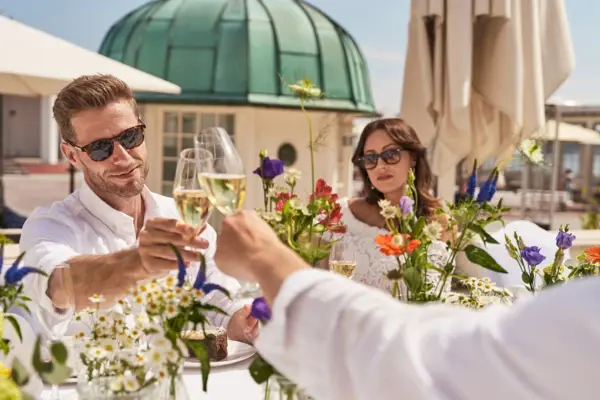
column 593, row 254
column 387, row 247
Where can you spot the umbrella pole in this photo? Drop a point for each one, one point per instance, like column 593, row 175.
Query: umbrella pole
column 1, row 161
column 555, row 165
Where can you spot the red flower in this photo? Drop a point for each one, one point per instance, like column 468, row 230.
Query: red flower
column 333, row 219
column 283, row 198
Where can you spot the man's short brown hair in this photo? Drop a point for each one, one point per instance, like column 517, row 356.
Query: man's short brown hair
column 85, row 93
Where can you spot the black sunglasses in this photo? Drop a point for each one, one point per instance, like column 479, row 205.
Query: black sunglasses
column 390, row 157
column 100, row 150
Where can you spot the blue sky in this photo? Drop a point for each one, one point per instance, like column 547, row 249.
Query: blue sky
column 381, row 36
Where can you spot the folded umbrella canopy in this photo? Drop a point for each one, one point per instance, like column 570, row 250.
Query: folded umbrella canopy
column 478, row 73
column 35, row 63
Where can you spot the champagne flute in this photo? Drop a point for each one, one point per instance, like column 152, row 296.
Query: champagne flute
column 342, row 259
column 191, row 199
column 221, row 174
column 55, row 322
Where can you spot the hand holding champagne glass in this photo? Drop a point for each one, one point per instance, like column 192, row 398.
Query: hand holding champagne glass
column 221, row 174
column 342, row 259
column 191, row 199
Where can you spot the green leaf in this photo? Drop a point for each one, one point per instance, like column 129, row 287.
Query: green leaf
column 59, row 352
column 260, row 370
column 19, row 373
column 420, row 225
column 15, row 324
column 38, row 364
column 201, row 354
column 413, row 279
column 483, row 259
column 486, row 237
column 58, row 374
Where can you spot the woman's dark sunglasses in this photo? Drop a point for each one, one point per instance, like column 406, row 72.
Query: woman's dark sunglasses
column 390, row 157
column 101, row 149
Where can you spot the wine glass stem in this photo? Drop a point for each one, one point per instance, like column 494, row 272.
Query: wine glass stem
column 55, row 393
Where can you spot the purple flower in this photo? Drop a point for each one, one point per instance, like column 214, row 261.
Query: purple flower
column 270, row 169
column 406, row 205
column 261, row 310
column 532, row 255
column 564, row 240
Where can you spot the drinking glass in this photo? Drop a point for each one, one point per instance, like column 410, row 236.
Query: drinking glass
column 342, row 259
column 56, row 322
column 221, row 174
column 191, row 199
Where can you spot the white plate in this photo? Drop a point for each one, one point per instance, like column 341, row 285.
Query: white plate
column 236, row 352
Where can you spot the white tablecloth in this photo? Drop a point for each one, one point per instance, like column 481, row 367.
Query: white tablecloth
column 232, row 382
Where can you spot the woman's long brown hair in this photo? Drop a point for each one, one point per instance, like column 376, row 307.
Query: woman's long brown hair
column 406, row 137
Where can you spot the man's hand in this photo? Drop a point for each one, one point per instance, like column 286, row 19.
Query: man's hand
column 157, row 256
column 244, row 238
column 243, row 327
column 248, row 249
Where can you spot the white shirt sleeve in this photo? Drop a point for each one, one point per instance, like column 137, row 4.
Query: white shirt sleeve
column 214, row 275
column 47, row 243
column 344, row 341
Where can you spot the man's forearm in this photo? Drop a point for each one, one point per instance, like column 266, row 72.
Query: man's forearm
column 110, row 275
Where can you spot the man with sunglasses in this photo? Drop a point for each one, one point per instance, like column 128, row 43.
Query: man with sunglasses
column 113, row 232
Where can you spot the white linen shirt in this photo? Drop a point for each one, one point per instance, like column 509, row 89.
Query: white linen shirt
column 83, row 224
column 343, row 341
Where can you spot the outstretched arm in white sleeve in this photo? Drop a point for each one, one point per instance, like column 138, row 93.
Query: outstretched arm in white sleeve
column 341, row 340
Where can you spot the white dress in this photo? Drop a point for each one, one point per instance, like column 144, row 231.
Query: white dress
column 371, row 265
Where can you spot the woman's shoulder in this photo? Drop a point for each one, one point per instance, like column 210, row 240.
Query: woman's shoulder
column 362, row 214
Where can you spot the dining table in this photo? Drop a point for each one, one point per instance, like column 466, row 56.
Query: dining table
column 230, row 382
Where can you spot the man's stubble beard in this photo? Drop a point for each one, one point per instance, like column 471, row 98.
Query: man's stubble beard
column 104, row 185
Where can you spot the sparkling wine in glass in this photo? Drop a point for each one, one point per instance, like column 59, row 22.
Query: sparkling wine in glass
column 56, row 317
column 190, row 197
column 342, row 259
column 221, row 174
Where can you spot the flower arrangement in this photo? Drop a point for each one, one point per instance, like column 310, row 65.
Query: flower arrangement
column 480, row 294
column 151, row 351
column 301, row 225
column 14, row 379
column 412, row 238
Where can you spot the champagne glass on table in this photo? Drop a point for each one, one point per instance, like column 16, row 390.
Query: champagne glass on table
column 342, row 259
column 221, row 174
column 56, row 321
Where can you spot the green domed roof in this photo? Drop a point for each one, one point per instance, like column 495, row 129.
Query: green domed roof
column 240, row 51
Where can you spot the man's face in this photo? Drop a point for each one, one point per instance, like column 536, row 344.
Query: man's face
column 124, row 172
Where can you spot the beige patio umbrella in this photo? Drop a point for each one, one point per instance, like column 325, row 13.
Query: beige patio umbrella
column 478, row 73
column 35, row 63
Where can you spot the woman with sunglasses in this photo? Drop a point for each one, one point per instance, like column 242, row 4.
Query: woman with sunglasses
column 386, row 151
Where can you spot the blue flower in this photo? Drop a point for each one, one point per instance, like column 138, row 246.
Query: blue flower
column 532, row 255
column 200, row 282
column 406, row 205
column 14, row 274
column 261, row 310
column 472, row 181
column 488, row 188
column 564, row 240
column 270, row 168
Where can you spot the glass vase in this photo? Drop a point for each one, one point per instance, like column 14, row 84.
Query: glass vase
column 100, row 389
column 174, row 389
column 281, row 388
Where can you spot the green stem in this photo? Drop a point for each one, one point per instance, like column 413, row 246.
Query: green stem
column 267, row 390
column 311, row 145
